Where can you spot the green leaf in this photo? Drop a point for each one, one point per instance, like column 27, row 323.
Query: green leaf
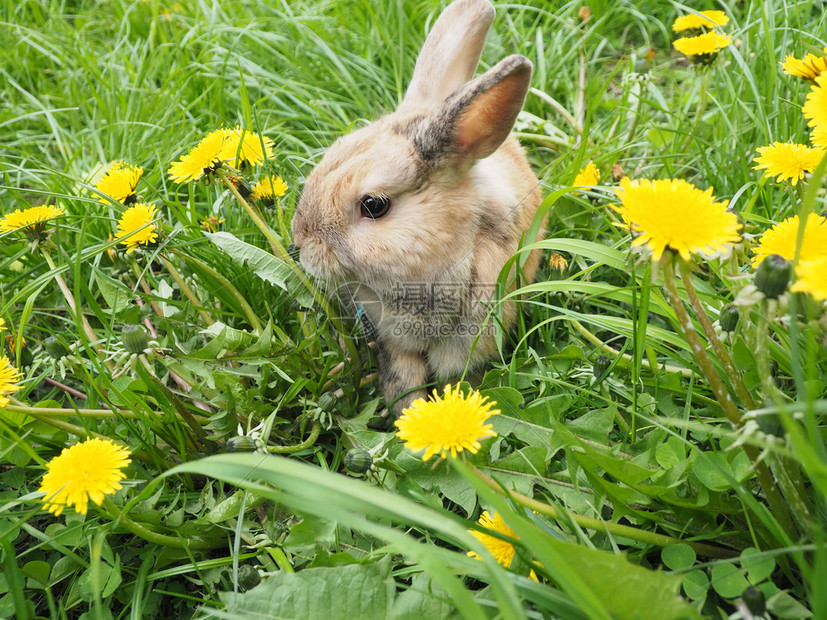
column 785, row 606
column 758, row 568
column 696, row 584
column 507, row 398
column 346, row 592
column 37, row 573
column 423, row 599
column 64, row 567
column 233, row 339
column 670, row 453
column 678, row 557
column 438, row 477
column 530, row 425
column 263, row 346
column 728, row 580
column 641, row 593
column 520, row 470
column 114, row 579
column 713, row 471
column 117, row 295
column 310, row 532
column 264, row 265
column 594, row 425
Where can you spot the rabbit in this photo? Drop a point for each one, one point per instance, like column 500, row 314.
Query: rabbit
column 417, row 213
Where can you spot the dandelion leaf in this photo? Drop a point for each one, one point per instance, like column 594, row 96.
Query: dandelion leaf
column 343, row 592
column 264, row 265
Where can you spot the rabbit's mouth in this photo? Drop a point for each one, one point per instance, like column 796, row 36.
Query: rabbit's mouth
column 322, row 260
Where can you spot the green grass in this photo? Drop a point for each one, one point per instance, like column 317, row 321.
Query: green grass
column 645, row 449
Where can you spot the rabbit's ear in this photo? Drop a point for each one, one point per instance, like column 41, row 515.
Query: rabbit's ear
column 475, row 120
column 451, row 52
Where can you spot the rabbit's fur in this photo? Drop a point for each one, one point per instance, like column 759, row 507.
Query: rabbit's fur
column 461, row 195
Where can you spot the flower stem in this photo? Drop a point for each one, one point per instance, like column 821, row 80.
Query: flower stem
column 83, row 413
column 700, row 108
column 776, row 502
column 729, row 368
column 145, row 288
column 625, row 357
column 226, row 285
column 617, row 529
column 187, row 291
column 785, row 469
column 697, row 347
column 94, row 341
column 154, row 537
column 766, row 316
column 307, row 443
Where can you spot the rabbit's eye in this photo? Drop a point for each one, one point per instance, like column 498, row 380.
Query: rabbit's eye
column 375, row 206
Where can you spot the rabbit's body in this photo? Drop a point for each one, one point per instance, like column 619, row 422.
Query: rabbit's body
column 418, row 212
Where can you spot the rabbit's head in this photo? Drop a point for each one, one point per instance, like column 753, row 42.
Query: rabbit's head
column 405, row 198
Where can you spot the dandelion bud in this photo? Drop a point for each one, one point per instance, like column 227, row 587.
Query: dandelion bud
column 773, row 275
column 248, row 577
column 55, row 347
column 358, row 460
column 241, row 443
column 755, row 600
column 617, row 171
column 584, row 13
column 327, row 402
column 134, row 338
column 729, row 318
column 601, row 367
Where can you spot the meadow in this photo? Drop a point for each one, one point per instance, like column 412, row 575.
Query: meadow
column 191, row 428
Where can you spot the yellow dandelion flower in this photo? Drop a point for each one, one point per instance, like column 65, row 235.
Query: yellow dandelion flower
column 202, row 160
column 707, row 43
column 269, row 188
column 811, row 277
column 815, row 106
column 556, row 261
column 674, row 214
column 588, row 175
column 212, row 223
column 503, row 551
column 88, row 470
column 788, row 161
column 119, row 183
column 781, row 239
column 2, row 324
column 136, row 226
column 10, row 340
column 31, row 220
column 706, row 19
column 819, row 136
column 809, row 67
column 450, row 423
column 245, row 147
column 9, row 376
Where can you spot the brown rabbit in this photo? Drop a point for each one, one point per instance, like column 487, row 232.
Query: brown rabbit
column 417, row 213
